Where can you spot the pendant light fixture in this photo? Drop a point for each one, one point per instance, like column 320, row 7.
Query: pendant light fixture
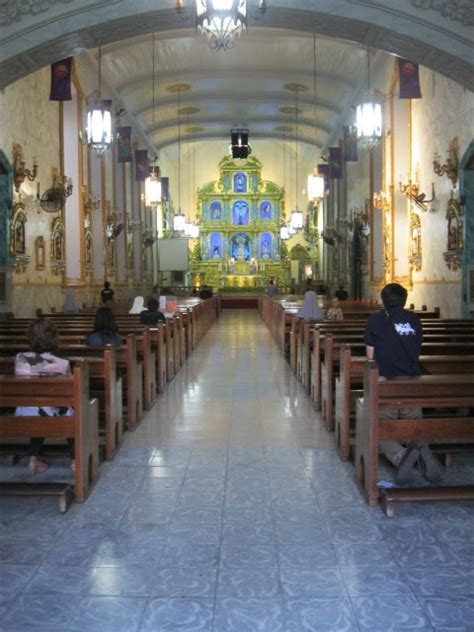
column 284, row 234
column 296, row 220
column 315, row 181
column 99, row 119
column 179, row 219
column 192, row 229
column 153, row 181
column 369, row 116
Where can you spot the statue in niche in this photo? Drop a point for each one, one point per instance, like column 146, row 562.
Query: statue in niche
column 216, row 210
column 20, row 248
column 240, row 183
column 241, row 213
column 88, row 250
column 240, row 248
column 453, row 215
column 215, row 252
column 265, row 211
column 266, row 247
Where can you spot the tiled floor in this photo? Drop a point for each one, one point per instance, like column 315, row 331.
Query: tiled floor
column 228, row 509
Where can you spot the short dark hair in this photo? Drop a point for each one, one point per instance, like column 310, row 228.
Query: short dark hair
column 106, row 285
column 153, row 304
column 394, row 295
column 105, row 321
column 42, row 336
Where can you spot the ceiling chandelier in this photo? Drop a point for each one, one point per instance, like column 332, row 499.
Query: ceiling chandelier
column 221, row 21
column 153, row 181
column 99, row 119
column 316, row 184
column 369, row 116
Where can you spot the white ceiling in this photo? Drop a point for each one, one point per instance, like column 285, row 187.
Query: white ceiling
column 248, row 86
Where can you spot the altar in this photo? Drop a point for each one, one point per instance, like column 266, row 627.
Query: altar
column 242, row 281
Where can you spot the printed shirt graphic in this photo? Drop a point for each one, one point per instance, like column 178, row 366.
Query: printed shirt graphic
column 389, row 354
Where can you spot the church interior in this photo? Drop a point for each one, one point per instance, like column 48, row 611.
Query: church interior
column 224, row 157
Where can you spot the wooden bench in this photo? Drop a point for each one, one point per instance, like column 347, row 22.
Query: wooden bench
column 349, row 387
column 448, row 392
column 63, row 392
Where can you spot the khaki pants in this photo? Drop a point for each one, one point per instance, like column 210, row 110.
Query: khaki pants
column 392, row 450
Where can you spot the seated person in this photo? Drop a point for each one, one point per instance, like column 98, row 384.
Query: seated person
column 42, row 337
column 341, row 293
column 309, row 310
column 105, row 330
column 206, row 292
column 272, row 289
column 335, row 312
column 152, row 316
column 107, row 294
column 138, row 305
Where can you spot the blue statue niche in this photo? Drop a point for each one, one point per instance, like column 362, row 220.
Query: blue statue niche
column 240, row 182
column 215, row 210
column 215, row 246
column 240, row 247
column 265, row 210
column 266, row 246
column 240, row 213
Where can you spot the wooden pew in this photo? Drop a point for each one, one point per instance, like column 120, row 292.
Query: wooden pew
column 82, row 426
column 105, row 386
column 349, row 387
column 428, row 392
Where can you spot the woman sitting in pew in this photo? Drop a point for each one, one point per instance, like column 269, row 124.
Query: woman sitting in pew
column 42, row 337
column 105, row 330
column 309, row 309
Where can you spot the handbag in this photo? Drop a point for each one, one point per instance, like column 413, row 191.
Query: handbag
column 417, row 367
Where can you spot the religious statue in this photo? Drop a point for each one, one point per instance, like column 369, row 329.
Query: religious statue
column 266, row 249
column 215, row 252
column 241, row 251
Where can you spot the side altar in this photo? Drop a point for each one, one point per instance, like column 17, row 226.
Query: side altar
column 239, row 219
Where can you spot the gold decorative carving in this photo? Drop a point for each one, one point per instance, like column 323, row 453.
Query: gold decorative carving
column 411, row 190
column 57, row 254
column 455, row 243
column 416, row 249
column 20, row 172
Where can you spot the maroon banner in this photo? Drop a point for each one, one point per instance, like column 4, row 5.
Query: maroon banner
column 350, row 143
column 61, row 72
column 335, row 163
column 409, row 80
column 165, row 188
column 124, row 144
column 141, row 165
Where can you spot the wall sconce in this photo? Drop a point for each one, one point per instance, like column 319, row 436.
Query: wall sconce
column 451, row 167
column 20, row 172
column 411, row 190
column 54, row 198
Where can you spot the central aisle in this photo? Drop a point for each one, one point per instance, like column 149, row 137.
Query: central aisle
column 228, row 510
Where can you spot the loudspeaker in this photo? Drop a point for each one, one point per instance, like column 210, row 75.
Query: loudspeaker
column 239, row 143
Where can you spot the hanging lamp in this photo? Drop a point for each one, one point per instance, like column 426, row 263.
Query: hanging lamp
column 153, row 181
column 296, row 220
column 316, row 184
column 99, row 119
column 179, row 219
column 369, row 116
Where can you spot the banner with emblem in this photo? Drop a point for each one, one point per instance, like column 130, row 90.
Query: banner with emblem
column 409, row 80
column 124, row 144
column 350, row 144
column 141, row 165
column 61, row 73
column 335, row 163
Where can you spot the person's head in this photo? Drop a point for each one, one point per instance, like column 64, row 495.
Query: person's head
column 341, row 287
column 271, row 282
column 105, row 321
column 153, row 304
column 335, row 302
column 106, row 285
column 393, row 295
column 42, row 336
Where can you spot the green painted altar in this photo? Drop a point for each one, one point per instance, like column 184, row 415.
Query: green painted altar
column 239, row 220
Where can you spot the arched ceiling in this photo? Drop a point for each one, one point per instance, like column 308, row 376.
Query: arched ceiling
column 251, row 85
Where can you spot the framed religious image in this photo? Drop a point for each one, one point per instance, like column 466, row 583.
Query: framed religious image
column 40, row 253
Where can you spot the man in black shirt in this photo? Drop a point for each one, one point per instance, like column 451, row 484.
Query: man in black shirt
column 206, row 292
column 341, row 293
column 393, row 339
column 107, row 294
column 152, row 316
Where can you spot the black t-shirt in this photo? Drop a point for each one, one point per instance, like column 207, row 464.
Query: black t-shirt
column 341, row 295
column 151, row 318
column 207, row 293
column 107, row 295
column 389, row 353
